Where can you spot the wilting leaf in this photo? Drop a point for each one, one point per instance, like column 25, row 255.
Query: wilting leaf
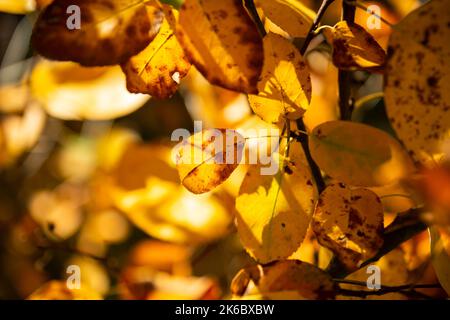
column 291, row 15
column 111, row 31
column 71, row 92
column 223, row 43
column 147, row 190
column 417, row 88
column 358, row 154
column 280, row 278
column 440, row 255
column 285, row 85
column 350, row 223
column 354, row 47
column 158, row 69
column 274, row 211
column 207, row 158
column 17, row 6
column 58, row 290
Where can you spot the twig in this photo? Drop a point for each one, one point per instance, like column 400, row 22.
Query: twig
column 251, row 8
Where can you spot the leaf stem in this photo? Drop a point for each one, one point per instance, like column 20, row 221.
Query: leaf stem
column 251, row 8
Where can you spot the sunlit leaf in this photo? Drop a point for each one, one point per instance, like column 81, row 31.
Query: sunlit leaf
column 274, row 211
column 158, row 69
column 349, row 222
column 17, row 6
column 417, row 77
column 358, row 154
column 110, row 31
column 285, row 84
column 223, row 43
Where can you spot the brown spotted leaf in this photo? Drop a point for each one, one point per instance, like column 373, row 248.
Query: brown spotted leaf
column 358, row 154
column 223, row 43
column 354, row 47
column 111, row 31
column 417, row 86
column 278, row 279
column 274, row 210
column 158, row 69
column 349, row 222
column 285, row 84
column 207, row 158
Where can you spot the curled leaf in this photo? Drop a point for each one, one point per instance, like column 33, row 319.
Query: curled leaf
column 158, row 69
column 358, row 154
column 110, row 31
column 207, row 158
column 280, row 278
column 354, row 47
column 222, row 41
column 350, row 223
column 284, row 90
column 417, row 80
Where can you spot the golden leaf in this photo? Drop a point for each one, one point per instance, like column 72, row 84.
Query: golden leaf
column 274, row 211
column 158, row 69
column 71, row 92
column 284, row 90
column 17, row 6
column 358, row 154
column 350, row 223
column 111, row 31
column 207, row 158
column 354, row 47
column 291, row 15
column 417, row 91
column 222, row 41
column 280, row 279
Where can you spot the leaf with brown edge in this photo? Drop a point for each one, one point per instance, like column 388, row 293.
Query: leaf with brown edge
column 280, row 279
column 417, row 91
column 358, row 154
column 158, row 69
column 223, row 43
column 354, row 47
column 111, row 31
column 285, row 84
column 290, row 15
column 207, row 158
column 350, row 223
column 274, row 211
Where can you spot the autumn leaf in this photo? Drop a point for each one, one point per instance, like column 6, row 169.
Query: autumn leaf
column 349, row 222
column 284, row 90
column 17, row 6
column 354, row 47
column 277, row 280
column 417, row 77
column 69, row 91
column 291, row 15
column 208, row 158
column 110, row 31
column 222, row 42
column 274, row 211
column 158, row 69
column 358, row 154
column 440, row 255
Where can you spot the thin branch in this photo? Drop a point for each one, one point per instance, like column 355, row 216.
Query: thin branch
column 251, row 8
column 359, row 5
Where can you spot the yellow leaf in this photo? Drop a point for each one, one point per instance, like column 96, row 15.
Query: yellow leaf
column 417, row 91
column 58, row 290
column 291, row 15
column 440, row 255
column 350, row 223
column 17, row 6
column 223, row 43
column 284, row 90
column 274, row 211
column 354, row 47
column 71, row 92
column 207, row 158
column 158, row 69
column 280, row 279
column 358, row 154
column 111, row 31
